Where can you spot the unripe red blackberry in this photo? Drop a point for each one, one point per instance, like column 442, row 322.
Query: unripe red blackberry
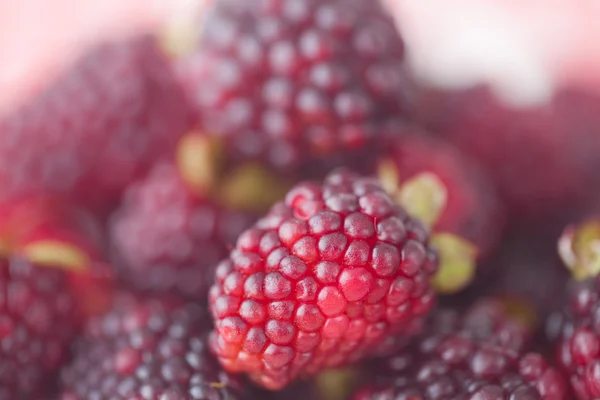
column 292, row 83
column 323, row 280
column 478, row 355
column 150, row 349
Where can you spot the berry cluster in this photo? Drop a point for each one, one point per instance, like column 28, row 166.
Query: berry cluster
column 280, row 211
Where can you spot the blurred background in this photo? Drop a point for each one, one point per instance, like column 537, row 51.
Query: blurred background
column 524, row 50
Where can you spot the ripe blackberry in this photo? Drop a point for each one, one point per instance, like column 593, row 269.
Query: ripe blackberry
column 575, row 328
column 147, row 348
column 101, row 124
column 435, row 182
column 296, row 82
column 542, row 158
column 479, row 355
column 323, row 280
column 165, row 238
column 38, row 314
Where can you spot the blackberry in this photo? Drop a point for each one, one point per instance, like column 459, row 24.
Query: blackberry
column 479, row 355
column 324, row 279
column 297, row 83
column 147, row 348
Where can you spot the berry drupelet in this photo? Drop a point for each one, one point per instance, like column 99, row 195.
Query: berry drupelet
column 576, row 329
column 323, row 280
column 479, row 355
column 166, row 239
column 438, row 184
column 147, row 348
column 97, row 127
column 292, row 83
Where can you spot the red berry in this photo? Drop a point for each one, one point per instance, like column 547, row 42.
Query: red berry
column 147, row 348
column 165, row 238
column 326, row 291
column 478, row 355
column 297, row 82
column 101, row 124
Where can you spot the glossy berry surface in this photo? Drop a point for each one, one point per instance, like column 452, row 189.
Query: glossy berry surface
column 576, row 331
column 322, row 280
column 37, row 322
column 150, row 349
column 294, row 81
column 166, row 239
column 479, row 355
column 97, row 127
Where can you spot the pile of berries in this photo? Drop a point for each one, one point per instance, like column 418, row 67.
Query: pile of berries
column 279, row 211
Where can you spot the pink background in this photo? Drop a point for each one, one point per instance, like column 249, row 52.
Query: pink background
column 543, row 43
column 38, row 37
column 524, row 48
